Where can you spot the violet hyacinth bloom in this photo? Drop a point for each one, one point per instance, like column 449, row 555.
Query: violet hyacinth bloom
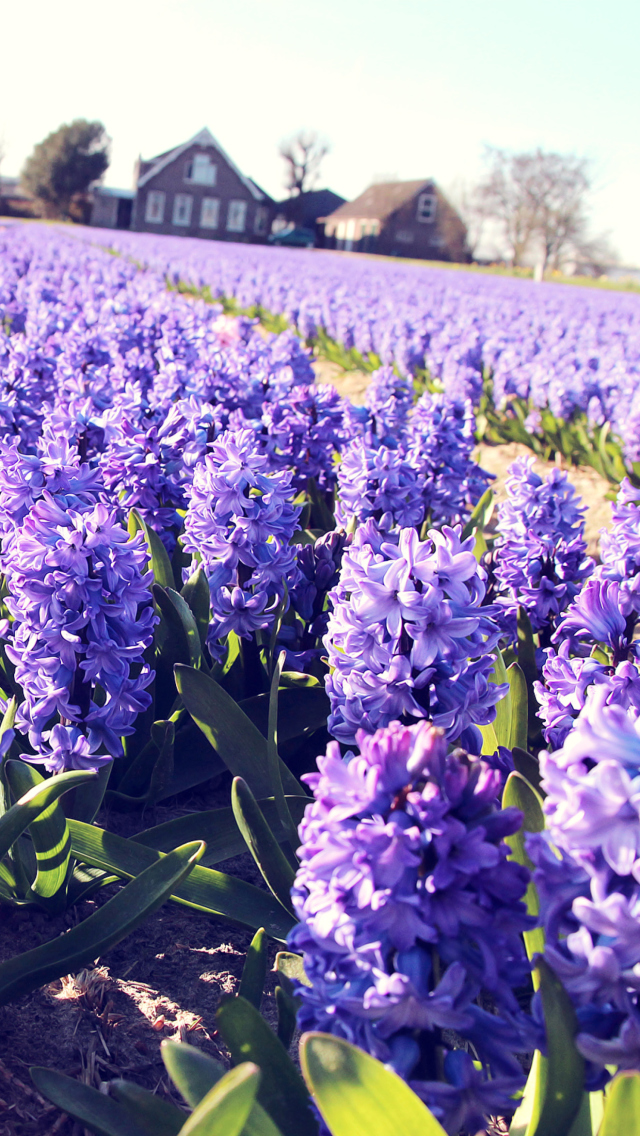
column 379, row 482
column 409, row 910
column 541, row 558
column 318, row 572
column 306, row 432
column 439, row 444
column 408, row 635
column 590, row 897
column 239, row 522
column 567, row 679
column 83, row 618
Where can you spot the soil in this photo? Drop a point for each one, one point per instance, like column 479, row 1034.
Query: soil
column 167, row 979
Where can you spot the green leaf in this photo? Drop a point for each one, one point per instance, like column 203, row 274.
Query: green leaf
column 301, row 709
column 93, row 1109
column 182, row 622
column 288, row 967
column 622, row 1106
column 159, row 562
column 527, row 765
column 218, row 828
column 559, row 1085
column 282, row 1093
column 519, row 707
column 291, row 966
column 49, row 834
column 240, row 745
column 206, row 890
column 287, row 1006
column 255, row 970
column 527, row 663
column 277, row 792
column 18, row 818
column 163, row 736
column 489, row 739
column 480, row 516
column 192, row 1071
column 502, row 723
column 155, row 1116
column 196, row 593
column 521, row 795
column 359, row 1096
column 102, row 930
column 273, row 864
column 85, row 802
column 226, row 1107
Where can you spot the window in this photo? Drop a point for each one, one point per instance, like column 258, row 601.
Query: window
column 182, row 203
column 236, row 216
column 201, row 170
column 210, row 213
column 154, row 210
column 426, row 207
column 260, row 220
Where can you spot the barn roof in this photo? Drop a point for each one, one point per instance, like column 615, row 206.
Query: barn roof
column 380, row 200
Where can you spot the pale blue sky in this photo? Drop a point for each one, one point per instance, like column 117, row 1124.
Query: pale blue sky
column 411, row 88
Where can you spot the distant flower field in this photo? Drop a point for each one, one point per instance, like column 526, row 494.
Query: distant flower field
column 425, row 713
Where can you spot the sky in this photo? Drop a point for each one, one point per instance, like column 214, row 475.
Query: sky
column 398, row 88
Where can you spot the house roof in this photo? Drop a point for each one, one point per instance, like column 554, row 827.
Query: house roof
column 108, row 191
column 379, row 201
column 204, row 137
column 312, row 205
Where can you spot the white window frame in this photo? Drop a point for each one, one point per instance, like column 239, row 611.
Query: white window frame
column 426, row 208
column 260, row 220
column 154, row 207
column 207, row 174
column 178, row 218
column 236, row 216
column 214, row 221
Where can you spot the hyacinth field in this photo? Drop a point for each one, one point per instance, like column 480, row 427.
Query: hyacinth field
column 279, row 666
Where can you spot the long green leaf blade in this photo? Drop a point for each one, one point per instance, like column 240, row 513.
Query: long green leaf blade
column 282, row 1092
column 240, row 745
column 18, row 818
column 218, row 827
column 49, row 834
column 519, row 707
column 159, row 562
column 359, row 1096
column 502, row 722
column 93, row 1109
column 196, row 593
column 155, row 1116
column 254, row 971
column 102, row 930
column 520, row 794
column 192, row 1071
column 273, row 864
column 226, row 1107
column 622, row 1107
column 562, row 1071
column 206, row 890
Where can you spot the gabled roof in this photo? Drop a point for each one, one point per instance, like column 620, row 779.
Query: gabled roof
column 312, row 205
column 379, row 201
column 202, row 138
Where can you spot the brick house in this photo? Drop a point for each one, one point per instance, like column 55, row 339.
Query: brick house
column 196, row 190
column 399, row 218
column 307, row 210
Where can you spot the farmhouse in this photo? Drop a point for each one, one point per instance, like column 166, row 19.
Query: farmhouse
column 196, row 190
column 399, row 218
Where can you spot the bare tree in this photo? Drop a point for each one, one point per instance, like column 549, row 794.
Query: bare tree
column 537, row 198
column 302, row 155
